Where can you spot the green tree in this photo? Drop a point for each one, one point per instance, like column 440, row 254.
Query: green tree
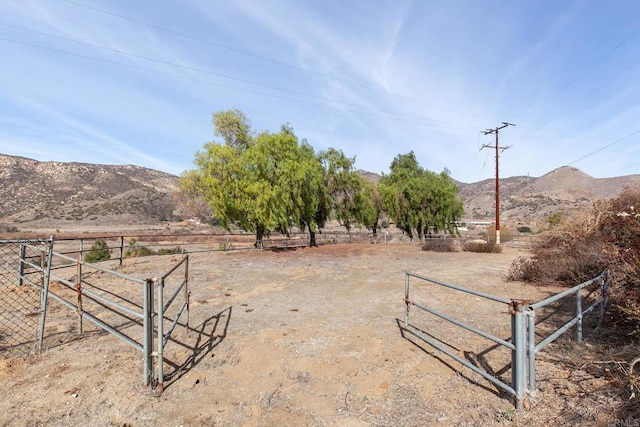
column 419, row 201
column 234, row 128
column 370, row 207
column 345, row 188
column 310, row 197
column 273, row 182
column 269, row 182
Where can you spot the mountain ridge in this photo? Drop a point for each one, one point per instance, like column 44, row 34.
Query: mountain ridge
column 35, row 192
column 38, row 194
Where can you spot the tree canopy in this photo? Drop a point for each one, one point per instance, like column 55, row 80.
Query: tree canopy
column 264, row 182
column 418, row 200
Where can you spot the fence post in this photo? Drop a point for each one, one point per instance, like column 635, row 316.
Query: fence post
column 147, row 326
column 160, row 387
column 406, row 300
column 121, row 248
column 42, row 270
column 518, row 355
column 46, row 275
column 603, row 295
column 79, row 292
column 81, row 248
column 579, row 315
column 23, row 254
column 531, row 331
column 187, row 293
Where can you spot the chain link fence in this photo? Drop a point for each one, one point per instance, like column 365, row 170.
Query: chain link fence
column 21, row 282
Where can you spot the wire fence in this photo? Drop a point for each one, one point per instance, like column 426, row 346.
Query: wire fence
column 131, row 246
column 141, row 312
column 23, row 271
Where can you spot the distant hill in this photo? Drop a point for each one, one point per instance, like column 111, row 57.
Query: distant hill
column 530, row 201
column 52, row 194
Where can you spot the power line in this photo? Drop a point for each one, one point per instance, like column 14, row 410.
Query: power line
column 266, row 58
column 579, row 76
column 399, row 116
column 605, row 147
column 584, row 98
column 161, row 61
column 200, row 70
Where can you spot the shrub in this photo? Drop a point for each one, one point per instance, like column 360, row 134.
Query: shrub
column 524, row 229
column 607, row 236
column 135, row 250
column 99, row 252
column 483, row 247
column 439, row 245
column 169, row 251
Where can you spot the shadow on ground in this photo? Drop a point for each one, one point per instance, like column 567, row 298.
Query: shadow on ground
column 201, row 340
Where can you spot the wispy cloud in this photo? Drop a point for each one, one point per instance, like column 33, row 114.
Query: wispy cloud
column 453, row 68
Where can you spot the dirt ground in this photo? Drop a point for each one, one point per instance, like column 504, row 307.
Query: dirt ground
column 305, row 337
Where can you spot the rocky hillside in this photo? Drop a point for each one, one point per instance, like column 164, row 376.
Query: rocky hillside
column 530, row 201
column 51, row 193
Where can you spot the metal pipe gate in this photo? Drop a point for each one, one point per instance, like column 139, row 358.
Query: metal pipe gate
column 523, row 329
column 137, row 306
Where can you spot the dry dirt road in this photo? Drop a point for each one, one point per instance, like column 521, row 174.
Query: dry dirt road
column 305, row 337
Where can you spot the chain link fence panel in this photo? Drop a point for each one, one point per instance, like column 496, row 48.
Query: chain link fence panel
column 21, row 284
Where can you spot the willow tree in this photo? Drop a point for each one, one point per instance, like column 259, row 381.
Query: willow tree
column 260, row 183
column 419, row 201
column 350, row 198
column 370, row 206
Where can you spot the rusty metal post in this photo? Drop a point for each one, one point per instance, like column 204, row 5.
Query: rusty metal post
column 121, row 248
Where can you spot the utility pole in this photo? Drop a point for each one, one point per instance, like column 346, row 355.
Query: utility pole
column 498, row 151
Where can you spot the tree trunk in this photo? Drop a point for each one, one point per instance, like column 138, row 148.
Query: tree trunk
column 312, row 237
column 259, row 236
column 375, row 228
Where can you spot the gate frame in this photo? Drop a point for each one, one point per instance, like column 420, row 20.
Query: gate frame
column 147, row 315
column 523, row 343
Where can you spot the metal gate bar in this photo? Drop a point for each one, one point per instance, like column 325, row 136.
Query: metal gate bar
column 162, row 309
column 603, row 282
column 523, row 343
column 516, row 388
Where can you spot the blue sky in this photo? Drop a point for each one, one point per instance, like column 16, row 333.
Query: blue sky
column 136, row 82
